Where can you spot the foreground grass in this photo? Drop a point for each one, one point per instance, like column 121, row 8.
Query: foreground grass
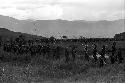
column 40, row 70
column 48, row 71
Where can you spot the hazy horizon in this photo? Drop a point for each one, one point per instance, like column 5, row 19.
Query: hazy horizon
column 59, row 27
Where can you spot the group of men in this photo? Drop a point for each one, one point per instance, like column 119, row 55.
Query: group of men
column 113, row 55
column 116, row 55
column 54, row 51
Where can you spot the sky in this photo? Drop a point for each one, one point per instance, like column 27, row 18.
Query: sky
column 63, row 9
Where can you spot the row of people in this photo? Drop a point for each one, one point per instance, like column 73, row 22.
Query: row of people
column 48, row 50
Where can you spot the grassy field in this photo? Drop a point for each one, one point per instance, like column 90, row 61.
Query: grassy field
column 41, row 70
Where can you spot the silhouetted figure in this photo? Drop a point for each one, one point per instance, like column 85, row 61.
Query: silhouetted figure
column 44, row 51
column 86, row 53
column 95, row 52
column 112, row 57
column 103, row 52
column 0, row 43
column 67, row 54
column 73, row 51
column 7, row 47
column 54, row 52
column 40, row 49
column 48, row 51
column 33, row 50
column 119, row 56
column 114, row 48
column 57, row 53
column 101, row 61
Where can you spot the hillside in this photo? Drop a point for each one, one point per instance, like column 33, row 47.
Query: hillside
column 5, row 33
column 120, row 36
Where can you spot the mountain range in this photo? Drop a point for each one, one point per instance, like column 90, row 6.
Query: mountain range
column 60, row 27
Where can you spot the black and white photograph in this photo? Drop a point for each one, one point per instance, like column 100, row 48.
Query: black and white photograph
column 62, row 41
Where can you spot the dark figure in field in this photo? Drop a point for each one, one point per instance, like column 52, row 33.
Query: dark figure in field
column 40, row 48
column 119, row 57
column 7, row 47
column 86, row 53
column 67, row 54
column 56, row 54
column 101, row 61
column 0, row 43
column 103, row 52
column 112, row 57
column 33, row 50
column 46, row 51
column 95, row 52
column 73, row 53
column 16, row 49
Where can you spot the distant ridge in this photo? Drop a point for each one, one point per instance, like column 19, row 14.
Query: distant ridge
column 60, row 27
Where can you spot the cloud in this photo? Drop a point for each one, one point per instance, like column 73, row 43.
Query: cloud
column 63, row 9
column 27, row 9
